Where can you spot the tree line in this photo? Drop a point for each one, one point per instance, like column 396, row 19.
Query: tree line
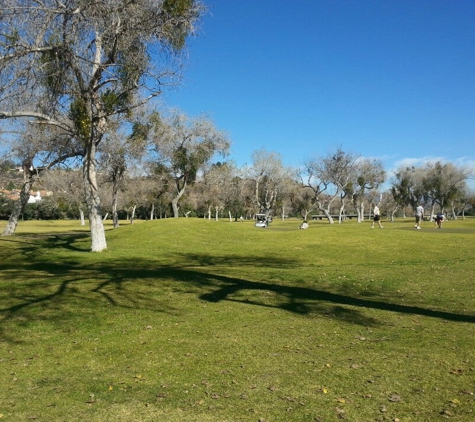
column 78, row 88
column 179, row 184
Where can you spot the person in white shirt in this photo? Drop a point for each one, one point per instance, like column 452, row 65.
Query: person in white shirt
column 419, row 216
column 376, row 217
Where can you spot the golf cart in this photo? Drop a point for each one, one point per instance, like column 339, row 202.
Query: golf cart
column 262, row 220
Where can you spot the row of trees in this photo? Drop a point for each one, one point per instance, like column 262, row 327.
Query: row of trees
column 77, row 84
column 151, row 185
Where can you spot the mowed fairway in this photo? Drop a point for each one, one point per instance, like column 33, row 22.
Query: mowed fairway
column 196, row 320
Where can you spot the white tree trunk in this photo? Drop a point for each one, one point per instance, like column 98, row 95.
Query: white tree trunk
column 19, row 206
column 81, row 216
column 115, row 200
column 98, row 236
column 132, row 215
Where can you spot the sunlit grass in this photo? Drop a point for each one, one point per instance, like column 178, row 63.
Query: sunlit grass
column 197, row 320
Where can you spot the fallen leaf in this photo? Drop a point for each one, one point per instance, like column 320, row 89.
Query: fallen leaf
column 92, row 399
column 394, row 398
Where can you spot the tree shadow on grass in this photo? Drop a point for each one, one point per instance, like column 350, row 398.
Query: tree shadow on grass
column 56, row 291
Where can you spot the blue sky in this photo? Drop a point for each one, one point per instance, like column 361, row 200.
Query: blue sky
column 393, row 80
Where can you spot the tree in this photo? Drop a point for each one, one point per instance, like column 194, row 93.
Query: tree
column 221, row 188
column 339, row 169
column 328, row 177
column 268, row 174
column 38, row 149
column 302, row 200
column 407, row 187
column 444, row 184
column 75, row 64
column 119, row 151
column 368, row 174
column 184, row 147
column 68, row 192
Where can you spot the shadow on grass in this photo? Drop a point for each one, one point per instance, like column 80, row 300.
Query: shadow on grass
column 56, row 291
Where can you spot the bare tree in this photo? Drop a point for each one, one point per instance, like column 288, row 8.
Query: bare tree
column 340, row 168
column 119, row 151
column 268, row 174
column 185, row 147
column 75, row 64
column 38, row 149
column 327, row 177
column 68, row 189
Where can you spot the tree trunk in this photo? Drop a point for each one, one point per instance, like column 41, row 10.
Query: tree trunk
column 340, row 213
column 454, row 214
column 20, row 204
column 132, row 214
column 175, row 206
column 362, row 210
column 98, row 237
column 230, row 216
column 325, row 211
column 115, row 200
column 393, row 213
column 81, row 216
column 152, row 212
column 175, row 200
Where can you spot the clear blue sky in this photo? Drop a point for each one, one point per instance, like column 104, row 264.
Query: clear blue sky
column 385, row 79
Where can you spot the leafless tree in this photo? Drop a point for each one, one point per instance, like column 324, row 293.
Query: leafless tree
column 328, row 177
column 267, row 174
column 37, row 149
column 184, row 147
column 67, row 187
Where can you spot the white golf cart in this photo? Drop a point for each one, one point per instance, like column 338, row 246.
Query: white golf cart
column 262, row 220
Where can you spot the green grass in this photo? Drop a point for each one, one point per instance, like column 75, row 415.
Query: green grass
column 196, row 320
